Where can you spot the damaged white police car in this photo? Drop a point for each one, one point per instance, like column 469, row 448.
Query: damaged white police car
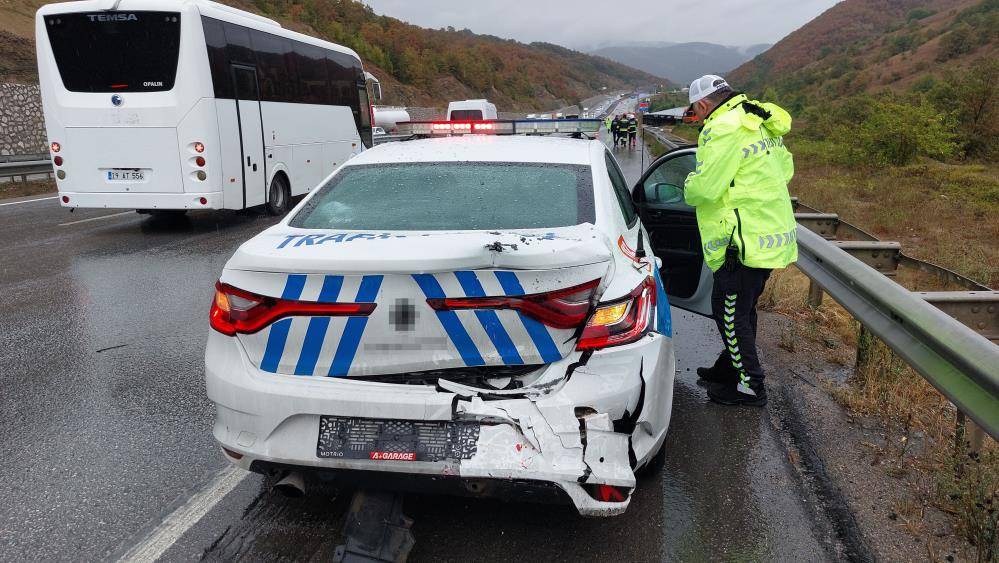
column 477, row 314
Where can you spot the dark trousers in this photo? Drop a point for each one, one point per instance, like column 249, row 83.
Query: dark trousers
column 733, row 304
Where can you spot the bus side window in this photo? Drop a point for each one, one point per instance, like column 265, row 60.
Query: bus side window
column 341, row 74
column 217, row 60
column 238, row 45
column 272, row 69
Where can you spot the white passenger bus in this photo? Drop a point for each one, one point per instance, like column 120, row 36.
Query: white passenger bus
column 160, row 105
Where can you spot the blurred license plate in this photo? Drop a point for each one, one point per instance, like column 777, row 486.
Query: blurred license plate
column 395, row 440
column 125, row 175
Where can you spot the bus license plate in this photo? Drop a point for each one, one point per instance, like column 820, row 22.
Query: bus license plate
column 126, row 175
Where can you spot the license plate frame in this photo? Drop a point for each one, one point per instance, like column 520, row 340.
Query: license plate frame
column 374, row 439
column 125, row 175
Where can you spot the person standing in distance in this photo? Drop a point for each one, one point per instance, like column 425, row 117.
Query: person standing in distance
column 747, row 226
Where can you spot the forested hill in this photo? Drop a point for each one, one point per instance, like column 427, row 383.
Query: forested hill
column 421, row 66
column 872, row 45
column 417, row 66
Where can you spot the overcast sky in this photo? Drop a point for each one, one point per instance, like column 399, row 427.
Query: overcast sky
column 585, row 23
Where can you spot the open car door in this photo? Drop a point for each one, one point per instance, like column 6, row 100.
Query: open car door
column 673, row 233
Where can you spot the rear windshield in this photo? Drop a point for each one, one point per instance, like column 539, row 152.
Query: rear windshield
column 116, row 51
column 441, row 196
column 466, row 114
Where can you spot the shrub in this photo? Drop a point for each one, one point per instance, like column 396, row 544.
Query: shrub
column 961, row 40
column 973, row 100
column 886, row 130
column 919, row 13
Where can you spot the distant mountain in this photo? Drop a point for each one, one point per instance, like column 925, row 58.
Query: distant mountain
column 870, row 45
column 680, row 62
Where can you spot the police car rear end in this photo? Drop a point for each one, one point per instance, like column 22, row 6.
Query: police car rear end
column 471, row 314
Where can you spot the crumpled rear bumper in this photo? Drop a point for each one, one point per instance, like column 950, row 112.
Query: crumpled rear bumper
column 591, row 428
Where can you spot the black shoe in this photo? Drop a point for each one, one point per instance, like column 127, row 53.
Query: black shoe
column 729, row 394
column 715, row 375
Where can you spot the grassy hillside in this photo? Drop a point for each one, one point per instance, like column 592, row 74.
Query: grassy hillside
column 417, row 66
column 870, row 45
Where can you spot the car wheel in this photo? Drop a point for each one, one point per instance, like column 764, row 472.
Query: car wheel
column 279, row 196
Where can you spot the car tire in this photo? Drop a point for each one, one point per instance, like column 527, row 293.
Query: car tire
column 278, row 196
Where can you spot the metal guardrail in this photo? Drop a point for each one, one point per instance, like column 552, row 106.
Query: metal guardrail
column 13, row 166
column 959, row 362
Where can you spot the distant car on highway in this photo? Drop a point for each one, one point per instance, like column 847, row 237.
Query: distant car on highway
column 471, row 110
column 478, row 314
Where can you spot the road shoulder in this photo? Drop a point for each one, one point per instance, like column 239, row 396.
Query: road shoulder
column 875, row 515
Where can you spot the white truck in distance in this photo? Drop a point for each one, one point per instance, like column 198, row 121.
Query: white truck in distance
column 471, row 110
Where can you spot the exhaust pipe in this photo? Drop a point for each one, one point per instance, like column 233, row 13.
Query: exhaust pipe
column 291, row 485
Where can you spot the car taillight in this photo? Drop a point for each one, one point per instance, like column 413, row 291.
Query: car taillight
column 563, row 308
column 199, row 147
column 621, row 321
column 237, row 311
column 56, row 147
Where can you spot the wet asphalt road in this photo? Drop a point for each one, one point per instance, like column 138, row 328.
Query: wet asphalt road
column 105, row 429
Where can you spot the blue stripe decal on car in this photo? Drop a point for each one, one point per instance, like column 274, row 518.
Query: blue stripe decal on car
column 537, row 331
column 316, row 333
column 352, row 333
column 278, row 335
column 664, row 322
column 449, row 320
column 490, row 321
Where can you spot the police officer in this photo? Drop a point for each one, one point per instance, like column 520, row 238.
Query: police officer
column 608, row 122
column 617, row 125
column 747, row 227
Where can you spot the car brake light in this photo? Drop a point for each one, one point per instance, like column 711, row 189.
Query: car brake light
column 57, row 160
column 621, row 321
column 237, row 311
column 56, row 147
column 199, row 146
column 563, row 308
column 607, row 493
column 200, row 161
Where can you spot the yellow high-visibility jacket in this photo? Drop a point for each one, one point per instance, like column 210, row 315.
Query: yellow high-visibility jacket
column 739, row 186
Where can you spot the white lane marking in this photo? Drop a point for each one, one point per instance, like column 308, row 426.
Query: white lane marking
column 185, row 517
column 96, row 218
column 28, row 201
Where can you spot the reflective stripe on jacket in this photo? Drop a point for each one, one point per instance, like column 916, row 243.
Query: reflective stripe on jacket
column 739, row 185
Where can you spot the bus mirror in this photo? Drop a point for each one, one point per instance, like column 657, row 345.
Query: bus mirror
column 376, row 86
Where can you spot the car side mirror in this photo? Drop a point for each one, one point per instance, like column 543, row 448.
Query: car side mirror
column 667, row 193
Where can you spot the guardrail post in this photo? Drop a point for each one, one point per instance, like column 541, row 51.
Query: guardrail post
column 968, row 436
column 977, row 310
column 814, row 294
column 822, row 224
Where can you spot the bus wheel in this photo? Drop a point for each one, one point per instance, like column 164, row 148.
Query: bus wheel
column 279, row 196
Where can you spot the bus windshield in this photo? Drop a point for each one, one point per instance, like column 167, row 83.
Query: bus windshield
column 116, row 51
